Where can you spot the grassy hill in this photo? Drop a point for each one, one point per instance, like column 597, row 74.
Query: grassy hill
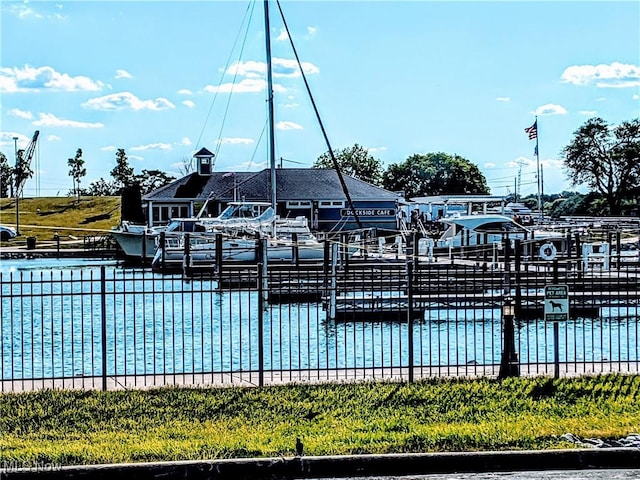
column 42, row 217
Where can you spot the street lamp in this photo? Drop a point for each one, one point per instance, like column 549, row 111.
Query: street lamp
column 509, row 364
column 15, row 151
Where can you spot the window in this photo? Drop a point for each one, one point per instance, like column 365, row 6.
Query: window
column 299, row 204
column 331, row 204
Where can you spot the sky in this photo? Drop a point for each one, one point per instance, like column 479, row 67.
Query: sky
column 161, row 79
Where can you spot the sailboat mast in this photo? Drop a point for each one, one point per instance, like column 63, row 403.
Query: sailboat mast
column 272, row 155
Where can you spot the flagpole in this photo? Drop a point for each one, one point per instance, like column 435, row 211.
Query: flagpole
column 540, row 207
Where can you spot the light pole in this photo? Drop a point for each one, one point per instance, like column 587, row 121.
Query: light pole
column 15, row 151
column 509, row 364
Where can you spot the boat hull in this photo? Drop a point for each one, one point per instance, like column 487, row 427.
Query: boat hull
column 136, row 245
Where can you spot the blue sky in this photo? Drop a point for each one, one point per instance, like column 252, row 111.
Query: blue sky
column 398, row 78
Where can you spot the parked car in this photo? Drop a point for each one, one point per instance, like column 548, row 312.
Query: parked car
column 7, row 233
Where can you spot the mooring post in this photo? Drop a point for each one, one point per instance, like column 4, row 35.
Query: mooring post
column 219, row 254
column 162, row 245
column 144, row 246
column 186, row 259
column 103, row 326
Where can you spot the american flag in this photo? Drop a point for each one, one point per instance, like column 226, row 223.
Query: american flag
column 532, row 131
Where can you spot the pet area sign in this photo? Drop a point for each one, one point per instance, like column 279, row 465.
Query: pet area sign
column 556, row 303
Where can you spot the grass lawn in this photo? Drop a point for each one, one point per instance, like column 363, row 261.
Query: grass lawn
column 78, row 427
column 42, row 217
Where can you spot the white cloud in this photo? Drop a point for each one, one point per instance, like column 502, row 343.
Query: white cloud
column 503, row 99
column 53, row 138
column 376, row 149
column 6, row 139
column 550, row 109
column 589, row 113
column 291, row 105
column 123, row 74
column 489, row 165
column 614, row 75
column 185, row 91
column 247, row 85
column 235, row 141
column 50, row 120
column 23, row 10
column 635, row 96
column 246, row 166
column 15, row 112
column 283, row 35
column 288, row 126
column 185, row 141
column 152, row 146
column 282, row 67
column 189, row 103
column 29, row 79
column 110, row 148
column 135, row 157
column 311, row 31
column 124, row 100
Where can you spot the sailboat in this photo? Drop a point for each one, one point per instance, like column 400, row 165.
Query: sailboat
column 286, row 239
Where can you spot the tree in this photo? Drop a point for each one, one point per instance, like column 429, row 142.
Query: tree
column 6, row 176
column 606, row 159
column 77, row 171
column 151, row 180
column 355, row 161
column 186, row 166
column 102, row 188
column 122, row 173
column 435, row 174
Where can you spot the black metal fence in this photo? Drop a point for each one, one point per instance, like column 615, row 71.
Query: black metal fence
column 111, row 327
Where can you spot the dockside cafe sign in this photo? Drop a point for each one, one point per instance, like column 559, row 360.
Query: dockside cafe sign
column 556, row 303
column 368, row 212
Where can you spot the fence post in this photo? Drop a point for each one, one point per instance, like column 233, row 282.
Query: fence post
column 410, row 317
column 103, row 322
column 261, row 308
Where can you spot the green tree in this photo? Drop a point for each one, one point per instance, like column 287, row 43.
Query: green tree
column 435, row 174
column 77, row 171
column 102, row 188
column 122, row 173
column 607, row 159
column 6, row 176
column 356, row 162
column 150, row 180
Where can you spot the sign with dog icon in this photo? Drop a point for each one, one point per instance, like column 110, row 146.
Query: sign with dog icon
column 556, row 303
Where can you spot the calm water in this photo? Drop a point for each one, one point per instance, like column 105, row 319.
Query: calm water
column 59, row 318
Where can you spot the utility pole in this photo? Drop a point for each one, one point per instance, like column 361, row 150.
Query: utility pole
column 17, row 190
column 15, row 156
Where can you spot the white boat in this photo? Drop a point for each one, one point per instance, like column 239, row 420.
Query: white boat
column 240, row 226
column 136, row 240
column 139, row 241
column 486, row 229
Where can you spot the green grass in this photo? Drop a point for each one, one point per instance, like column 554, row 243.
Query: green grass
column 42, row 217
column 78, row 427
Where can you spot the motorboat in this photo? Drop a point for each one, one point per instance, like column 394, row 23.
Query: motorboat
column 467, row 230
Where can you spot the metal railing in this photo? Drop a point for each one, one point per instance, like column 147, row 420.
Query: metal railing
column 110, row 327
